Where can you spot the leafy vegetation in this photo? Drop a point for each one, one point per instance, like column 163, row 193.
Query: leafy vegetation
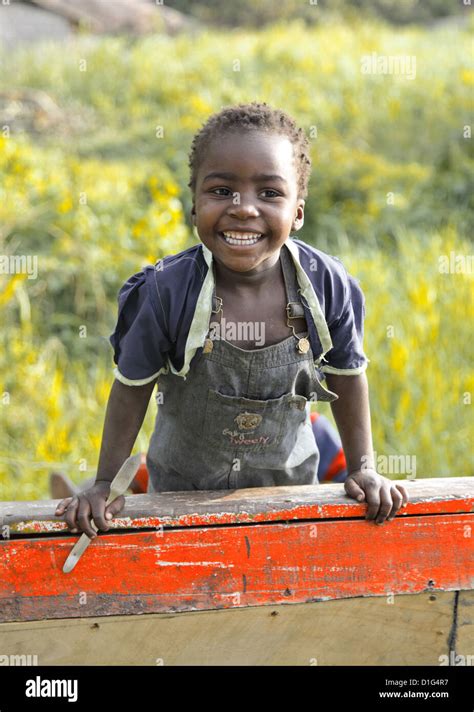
column 103, row 191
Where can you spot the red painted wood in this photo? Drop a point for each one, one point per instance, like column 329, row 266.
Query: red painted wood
column 229, row 566
column 258, row 504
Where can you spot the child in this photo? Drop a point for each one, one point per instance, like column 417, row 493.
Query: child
column 239, row 331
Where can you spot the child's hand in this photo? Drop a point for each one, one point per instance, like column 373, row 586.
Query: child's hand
column 383, row 496
column 91, row 502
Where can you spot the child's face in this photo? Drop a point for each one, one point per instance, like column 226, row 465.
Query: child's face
column 243, row 200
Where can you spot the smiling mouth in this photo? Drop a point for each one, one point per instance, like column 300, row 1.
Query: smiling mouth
column 243, row 239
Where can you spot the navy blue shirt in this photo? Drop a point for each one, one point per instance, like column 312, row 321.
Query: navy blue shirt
column 165, row 309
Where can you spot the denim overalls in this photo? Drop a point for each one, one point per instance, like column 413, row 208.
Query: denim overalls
column 241, row 418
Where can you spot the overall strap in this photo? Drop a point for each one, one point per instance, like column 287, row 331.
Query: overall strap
column 294, row 307
column 216, row 301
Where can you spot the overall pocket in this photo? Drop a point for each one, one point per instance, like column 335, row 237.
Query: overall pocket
column 318, row 391
column 251, row 425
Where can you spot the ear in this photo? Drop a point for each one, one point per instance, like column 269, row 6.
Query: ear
column 193, row 215
column 298, row 221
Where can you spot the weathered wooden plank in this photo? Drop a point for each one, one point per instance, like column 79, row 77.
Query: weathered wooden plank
column 463, row 634
column 400, row 630
column 257, row 504
column 233, row 566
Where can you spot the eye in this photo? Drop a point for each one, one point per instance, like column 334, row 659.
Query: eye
column 227, row 192
column 215, row 189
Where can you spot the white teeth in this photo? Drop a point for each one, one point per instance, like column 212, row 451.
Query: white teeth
column 242, row 235
column 241, row 238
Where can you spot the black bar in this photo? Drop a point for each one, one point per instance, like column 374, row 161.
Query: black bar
column 140, row 687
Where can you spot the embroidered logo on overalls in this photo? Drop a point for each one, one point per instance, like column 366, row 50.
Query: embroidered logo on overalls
column 248, row 421
column 237, row 438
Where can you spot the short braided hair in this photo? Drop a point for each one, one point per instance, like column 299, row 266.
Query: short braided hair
column 247, row 117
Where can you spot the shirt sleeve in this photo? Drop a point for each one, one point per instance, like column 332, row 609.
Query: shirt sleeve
column 139, row 341
column 347, row 355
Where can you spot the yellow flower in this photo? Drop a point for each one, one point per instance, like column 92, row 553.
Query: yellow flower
column 423, row 295
column 467, row 76
column 398, row 357
column 65, row 205
column 8, row 292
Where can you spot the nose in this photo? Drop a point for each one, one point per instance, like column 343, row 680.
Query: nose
column 243, row 207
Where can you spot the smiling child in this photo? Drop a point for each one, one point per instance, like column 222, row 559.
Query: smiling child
column 239, row 331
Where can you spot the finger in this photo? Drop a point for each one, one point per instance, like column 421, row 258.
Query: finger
column 397, row 501
column 372, row 495
column 386, row 505
column 70, row 516
column 115, row 507
column 62, row 506
column 98, row 513
column 83, row 518
column 405, row 494
column 354, row 490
